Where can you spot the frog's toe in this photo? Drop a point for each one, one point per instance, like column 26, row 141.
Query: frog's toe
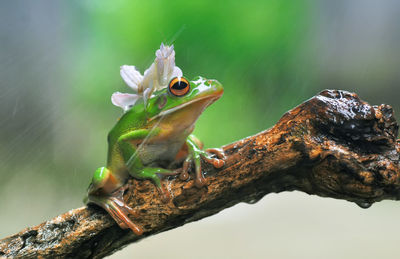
column 217, row 163
column 119, row 212
column 130, row 211
column 200, row 181
column 184, row 175
column 124, row 207
column 218, row 152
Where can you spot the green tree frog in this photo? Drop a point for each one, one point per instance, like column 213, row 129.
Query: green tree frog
column 153, row 133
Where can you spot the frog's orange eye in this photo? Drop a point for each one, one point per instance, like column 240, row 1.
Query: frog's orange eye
column 179, row 86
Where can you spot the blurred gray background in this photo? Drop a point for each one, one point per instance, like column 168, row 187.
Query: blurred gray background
column 59, row 65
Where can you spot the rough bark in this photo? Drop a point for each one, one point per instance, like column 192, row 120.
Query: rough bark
column 333, row 145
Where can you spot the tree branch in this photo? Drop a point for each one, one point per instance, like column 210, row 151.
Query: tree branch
column 333, row 145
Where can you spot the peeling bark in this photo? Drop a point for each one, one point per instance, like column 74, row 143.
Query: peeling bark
column 333, row 145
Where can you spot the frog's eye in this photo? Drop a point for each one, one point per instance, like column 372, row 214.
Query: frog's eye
column 179, row 86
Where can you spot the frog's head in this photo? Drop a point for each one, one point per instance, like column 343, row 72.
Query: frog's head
column 182, row 102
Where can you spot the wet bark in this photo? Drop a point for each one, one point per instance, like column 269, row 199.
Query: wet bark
column 333, row 145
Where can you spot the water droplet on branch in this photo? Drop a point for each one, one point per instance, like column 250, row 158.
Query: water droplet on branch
column 364, row 204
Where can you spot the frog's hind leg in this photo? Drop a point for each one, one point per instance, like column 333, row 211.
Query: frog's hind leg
column 106, row 192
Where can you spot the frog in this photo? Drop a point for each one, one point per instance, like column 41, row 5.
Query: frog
column 154, row 135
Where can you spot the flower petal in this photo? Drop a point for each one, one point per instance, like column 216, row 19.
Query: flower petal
column 165, row 61
column 131, row 76
column 150, row 76
column 146, row 95
column 176, row 73
column 123, row 100
column 164, row 51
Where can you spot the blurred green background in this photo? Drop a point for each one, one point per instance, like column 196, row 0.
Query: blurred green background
column 59, row 65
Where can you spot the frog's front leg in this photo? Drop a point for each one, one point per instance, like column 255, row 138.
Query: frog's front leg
column 127, row 144
column 194, row 156
column 153, row 174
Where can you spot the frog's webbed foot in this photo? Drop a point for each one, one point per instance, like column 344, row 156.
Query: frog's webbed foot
column 216, row 162
column 195, row 157
column 208, row 157
column 115, row 205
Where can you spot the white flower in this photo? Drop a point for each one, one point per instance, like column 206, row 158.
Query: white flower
column 125, row 101
column 156, row 77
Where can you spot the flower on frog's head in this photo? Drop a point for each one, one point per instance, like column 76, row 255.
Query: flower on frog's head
column 165, row 61
column 163, row 69
column 156, row 77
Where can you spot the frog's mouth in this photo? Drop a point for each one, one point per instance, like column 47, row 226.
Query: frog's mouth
column 202, row 103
